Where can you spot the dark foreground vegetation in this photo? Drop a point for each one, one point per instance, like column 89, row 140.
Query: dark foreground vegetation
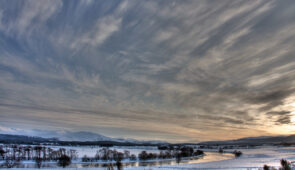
column 12, row 155
column 106, row 154
column 285, row 165
column 237, row 153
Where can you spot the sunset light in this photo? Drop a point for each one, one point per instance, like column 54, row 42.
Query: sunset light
column 147, row 84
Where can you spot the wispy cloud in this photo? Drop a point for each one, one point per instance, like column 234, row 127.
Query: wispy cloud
column 172, row 70
column 31, row 15
column 103, row 29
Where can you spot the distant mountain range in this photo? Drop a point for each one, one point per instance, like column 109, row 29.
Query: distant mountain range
column 13, row 139
column 79, row 138
column 255, row 140
column 89, row 138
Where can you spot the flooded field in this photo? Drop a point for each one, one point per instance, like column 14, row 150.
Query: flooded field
column 208, row 157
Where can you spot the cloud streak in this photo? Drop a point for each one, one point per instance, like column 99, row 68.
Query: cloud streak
column 172, row 70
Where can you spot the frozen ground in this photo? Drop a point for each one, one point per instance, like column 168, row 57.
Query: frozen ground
column 251, row 159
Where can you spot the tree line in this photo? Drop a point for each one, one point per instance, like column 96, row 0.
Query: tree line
column 14, row 154
column 106, row 154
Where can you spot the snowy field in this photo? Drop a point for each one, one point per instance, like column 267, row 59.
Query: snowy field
column 251, row 159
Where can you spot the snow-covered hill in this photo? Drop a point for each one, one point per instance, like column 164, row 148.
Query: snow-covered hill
column 256, row 140
column 80, row 136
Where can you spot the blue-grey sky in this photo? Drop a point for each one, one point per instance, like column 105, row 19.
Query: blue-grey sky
column 154, row 70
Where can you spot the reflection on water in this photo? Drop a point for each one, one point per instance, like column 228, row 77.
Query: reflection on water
column 208, row 157
column 212, row 156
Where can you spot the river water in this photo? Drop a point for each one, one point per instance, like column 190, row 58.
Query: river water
column 208, row 157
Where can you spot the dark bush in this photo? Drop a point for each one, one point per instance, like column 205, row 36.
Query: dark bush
column 285, row 165
column 118, row 156
column 2, row 153
column 64, row 161
column 119, row 165
column 146, row 156
column 143, row 155
column 85, row 159
column 165, row 155
column 178, row 157
column 186, row 151
column 38, row 162
column 266, row 167
column 198, row 152
column 237, row 153
column 132, row 157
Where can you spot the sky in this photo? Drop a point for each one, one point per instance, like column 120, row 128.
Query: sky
column 171, row 70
